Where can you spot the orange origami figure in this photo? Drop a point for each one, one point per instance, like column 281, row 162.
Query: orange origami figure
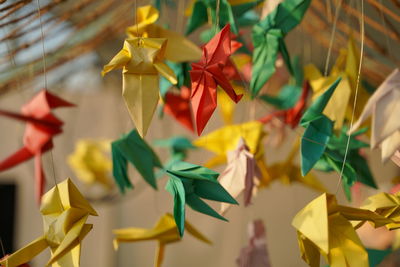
column 41, row 126
column 178, row 106
column 207, row 74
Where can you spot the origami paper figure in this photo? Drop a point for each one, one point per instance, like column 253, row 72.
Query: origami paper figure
column 324, row 227
column 134, row 149
column 241, row 174
column 65, row 212
column 268, row 39
column 181, row 71
column 178, row 148
column 90, row 162
column 319, row 129
column 141, row 60
column 178, row 106
column 178, row 48
column 287, row 172
column 226, row 138
column 189, row 183
column 165, row 232
column 41, row 126
column 386, row 205
column 355, row 168
column 6, row 256
column 255, row 254
column 383, row 107
column 204, row 11
column 207, row 74
column 340, row 106
column 226, row 106
column 292, row 115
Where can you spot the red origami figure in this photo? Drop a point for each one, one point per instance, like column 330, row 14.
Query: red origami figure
column 207, row 74
column 178, row 106
column 292, row 115
column 41, row 126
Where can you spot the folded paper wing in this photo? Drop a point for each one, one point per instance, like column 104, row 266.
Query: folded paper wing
column 165, row 232
column 383, row 106
column 141, row 60
column 189, row 183
column 326, row 228
column 179, row 107
column 41, row 126
column 64, row 212
column 178, row 48
column 134, row 149
column 207, row 74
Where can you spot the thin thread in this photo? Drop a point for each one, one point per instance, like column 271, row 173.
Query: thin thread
column 217, row 16
column 337, row 12
column 136, row 19
column 43, row 48
column 2, row 247
column 362, row 32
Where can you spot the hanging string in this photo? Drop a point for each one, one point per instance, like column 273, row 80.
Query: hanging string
column 136, row 19
column 362, row 33
column 43, row 48
column 337, row 13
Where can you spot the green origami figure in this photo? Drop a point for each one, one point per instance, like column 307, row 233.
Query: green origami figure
column 268, row 39
column 189, row 183
column 319, row 129
column 355, row 168
column 290, row 93
column 178, row 148
column 233, row 15
column 134, row 149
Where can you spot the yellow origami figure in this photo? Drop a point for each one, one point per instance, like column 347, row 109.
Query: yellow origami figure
column 288, row 173
column 65, row 212
column 384, row 108
column 326, row 228
column 165, row 232
column 90, row 162
column 178, row 49
column 340, row 105
column 141, row 60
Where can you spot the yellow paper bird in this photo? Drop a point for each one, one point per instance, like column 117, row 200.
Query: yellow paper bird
column 65, row 212
column 178, row 49
column 90, row 162
column 287, row 172
column 384, row 108
column 326, row 228
column 165, row 232
column 340, row 105
column 226, row 105
column 141, row 60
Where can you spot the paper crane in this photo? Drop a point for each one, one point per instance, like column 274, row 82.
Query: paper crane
column 268, row 39
column 340, row 106
column 178, row 106
column 207, row 74
column 90, row 162
column 324, row 227
column 383, row 107
column 165, row 232
column 189, row 183
column 178, row 48
column 241, row 174
column 42, row 125
column 255, row 254
column 142, row 61
column 134, row 149
column 65, row 212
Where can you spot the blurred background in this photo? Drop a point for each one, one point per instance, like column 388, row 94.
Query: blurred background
column 79, row 37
